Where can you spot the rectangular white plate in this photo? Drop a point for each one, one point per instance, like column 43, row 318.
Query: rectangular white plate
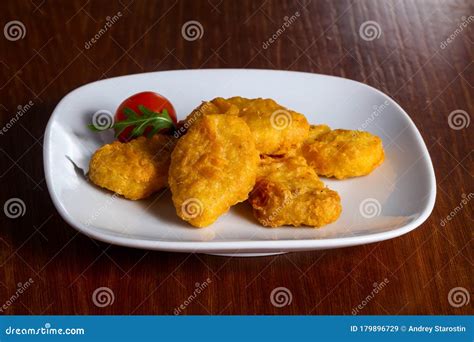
column 396, row 198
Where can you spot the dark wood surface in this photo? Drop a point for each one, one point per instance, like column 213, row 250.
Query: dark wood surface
column 407, row 62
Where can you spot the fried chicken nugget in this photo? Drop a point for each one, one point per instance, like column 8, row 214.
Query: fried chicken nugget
column 216, row 106
column 288, row 192
column 135, row 169
column 276, row 129
column 213, row 167
column 342, row 153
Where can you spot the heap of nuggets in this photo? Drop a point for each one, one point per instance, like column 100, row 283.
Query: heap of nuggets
column 232, row 150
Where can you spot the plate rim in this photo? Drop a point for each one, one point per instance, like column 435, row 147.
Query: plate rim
column 238, row 246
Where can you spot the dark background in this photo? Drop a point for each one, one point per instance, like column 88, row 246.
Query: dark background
column 406, row 62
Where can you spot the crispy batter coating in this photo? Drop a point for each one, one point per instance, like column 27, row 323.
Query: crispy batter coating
column 342, row 153
column 315, row 131
column 276, row 129
column 135, row 169
column 213, row 167
column 288, row 192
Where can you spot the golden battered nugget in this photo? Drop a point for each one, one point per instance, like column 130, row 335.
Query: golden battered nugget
column 342, row 153
column 315, row 131
column 135, row 169
column 276, row 129
column 288, row 192
column 213, row 167
column 215, row 106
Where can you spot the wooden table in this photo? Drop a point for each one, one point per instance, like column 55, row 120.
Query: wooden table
column 405, row 59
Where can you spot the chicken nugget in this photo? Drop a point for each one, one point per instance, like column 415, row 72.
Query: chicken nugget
column 288, row 192
column 135, row 169
column 213, row 167
column 276, row 129
column 315, row 131
column 342, row 153
column 216, row 106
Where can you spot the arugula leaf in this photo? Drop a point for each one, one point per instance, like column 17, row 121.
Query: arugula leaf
column 130, row 113
column 148, row 118
column 93, row 128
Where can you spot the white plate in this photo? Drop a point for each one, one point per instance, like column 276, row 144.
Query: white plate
column 396, row 198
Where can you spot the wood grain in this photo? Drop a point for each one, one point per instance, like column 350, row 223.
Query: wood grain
column 406, row 62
